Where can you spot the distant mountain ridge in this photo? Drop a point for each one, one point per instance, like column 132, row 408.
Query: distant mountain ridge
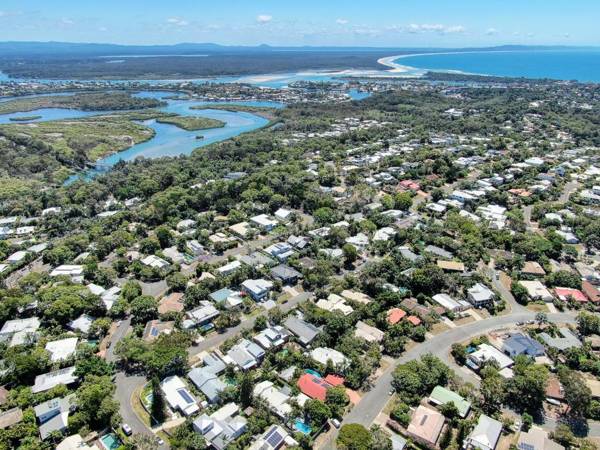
column 67, row 49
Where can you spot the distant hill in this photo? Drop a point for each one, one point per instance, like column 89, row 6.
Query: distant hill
column 66, row 49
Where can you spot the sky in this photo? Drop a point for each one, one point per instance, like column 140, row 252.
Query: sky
column 382, row 23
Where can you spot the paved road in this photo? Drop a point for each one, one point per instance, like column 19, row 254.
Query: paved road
column 569, row 189
column 375, row 400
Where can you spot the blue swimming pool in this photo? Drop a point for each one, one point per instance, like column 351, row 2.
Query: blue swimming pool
column 313, row 373
column 302, row 427
column 110, row 441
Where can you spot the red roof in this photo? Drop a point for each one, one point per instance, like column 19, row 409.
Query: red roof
column 565, row 293
column 591, row 291
column 334, row 380
column 312, row 386
column 414, row 320
column 412, row 185
column 395, row 315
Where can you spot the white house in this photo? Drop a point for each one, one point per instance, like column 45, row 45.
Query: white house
column 324, row 354
column 178, row 396
column 480, row 295
column 258, row 289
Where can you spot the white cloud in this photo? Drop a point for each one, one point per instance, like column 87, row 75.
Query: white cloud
column 341, row 21
column 67, row 21
column 2, row 13
column 103, row 29
column 491, row 31
column 264, row 18
column 434, row 28
column 178, row 21
column 455, row 29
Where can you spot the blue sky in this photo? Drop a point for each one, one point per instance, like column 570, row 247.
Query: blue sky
column 395, row 23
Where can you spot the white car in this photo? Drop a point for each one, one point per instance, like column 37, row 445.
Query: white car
column 126, row 429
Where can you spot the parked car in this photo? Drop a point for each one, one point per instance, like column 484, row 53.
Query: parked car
column 127, row 429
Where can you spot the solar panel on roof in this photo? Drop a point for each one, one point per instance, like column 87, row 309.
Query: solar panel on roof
column 274, row 438
column 524, row 446
column 154, row 331
column 184, row 394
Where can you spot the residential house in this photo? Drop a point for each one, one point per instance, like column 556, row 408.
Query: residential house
column 229, row 268
column 75, row 442
column 10, row 417
column 520, row 344
column 590, row 291
column 53, row 415
column 171, row 303
column 155, row 262
column 335, row 303
column 178, row 396
column 324, row 354
column 264, row 222
column 272, row 337
column 246, row 355
column 230, row 299
column 75, row 272
column 304, row 332
column 62, row 349
column 485, row 435
column 275, row 398
column 201, row 315
column 154, row 328
column 368, row 333
column 565, row 341
column 257, row 289
column 222, row 427
column 49, row 380
column 395, row 315
column 274, row 438
column 207, row 381
column 257, row 260
column 19, row 328
column 480, row 295
column 313, row 386
column 533, row 268
column 485, row 353
column 441, row 396
column 280, row 250
column 83, row 324
column 242, row 229
column 536, row 439
column 451, row 266
column 426, row 426
column 536, row 290
column 566, row 294
column 283, row 215
column 449, row 304
column 286, row 274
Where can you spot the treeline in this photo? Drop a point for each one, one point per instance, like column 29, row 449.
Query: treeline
column 185, row 67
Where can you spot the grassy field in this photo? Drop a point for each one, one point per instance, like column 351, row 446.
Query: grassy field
column 191, row 123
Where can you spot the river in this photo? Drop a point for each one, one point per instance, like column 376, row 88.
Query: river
column 169, row 140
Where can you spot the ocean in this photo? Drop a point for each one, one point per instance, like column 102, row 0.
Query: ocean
column 581, row 65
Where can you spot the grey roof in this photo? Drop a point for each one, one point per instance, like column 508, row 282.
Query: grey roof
column 56, row 404
column 257, row 259
column 486, row 433
column 304, row 331
column 208, row 382
column 519, row 344
column 565, row 342
column 215, row 363
column 439, row 251
column 49, row 380
column 284, row 272
column 57, row 423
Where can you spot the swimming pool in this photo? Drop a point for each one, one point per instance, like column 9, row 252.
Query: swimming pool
column 110, row 441
column 302, row 427
column 313, row 373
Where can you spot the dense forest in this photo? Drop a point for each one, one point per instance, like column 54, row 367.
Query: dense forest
column 103, row 101
column 186, row 67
